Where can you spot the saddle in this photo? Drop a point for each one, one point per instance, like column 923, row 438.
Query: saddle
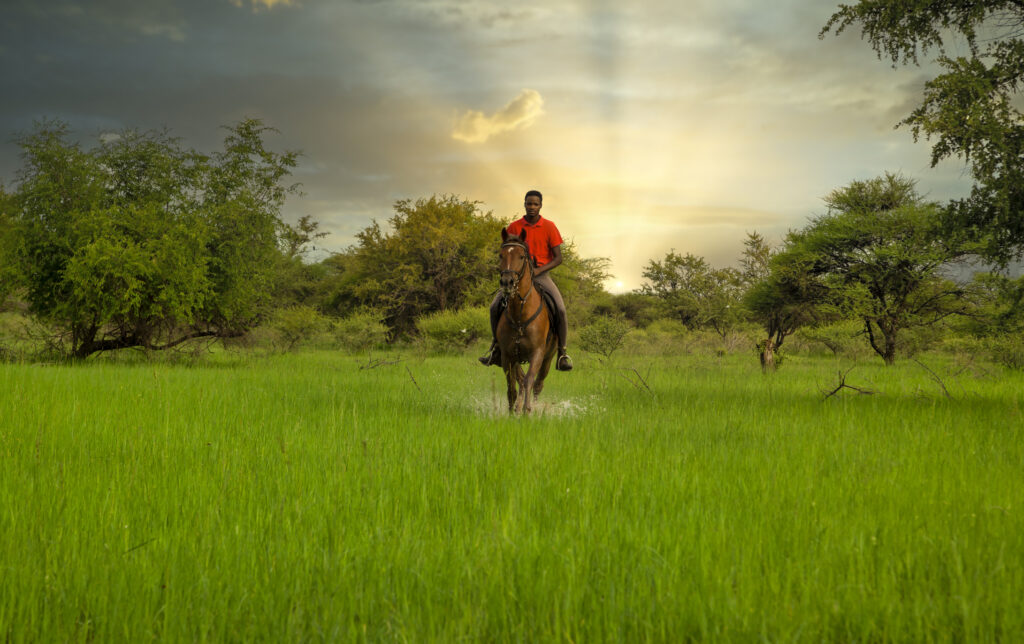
column 549, row 303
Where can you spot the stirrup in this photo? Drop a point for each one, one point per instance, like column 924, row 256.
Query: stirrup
column 564, row 362
column 493, row 356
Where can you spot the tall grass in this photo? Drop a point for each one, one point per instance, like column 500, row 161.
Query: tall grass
column 302, row 497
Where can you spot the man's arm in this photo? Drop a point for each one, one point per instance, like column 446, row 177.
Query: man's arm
column 556, row 259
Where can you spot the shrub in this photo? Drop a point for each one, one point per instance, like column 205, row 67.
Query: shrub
column 454, row 331
column 362, row 330
column 298, row 325
column 604, row 335
column 1008, row 350
column 661, row 337
column 642, row 310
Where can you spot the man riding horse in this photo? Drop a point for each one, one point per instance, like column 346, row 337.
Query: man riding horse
column 545, row 244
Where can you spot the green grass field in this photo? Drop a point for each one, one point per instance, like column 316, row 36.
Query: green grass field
column 303, row 498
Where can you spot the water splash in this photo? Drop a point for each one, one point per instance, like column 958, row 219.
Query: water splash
column 496, row 406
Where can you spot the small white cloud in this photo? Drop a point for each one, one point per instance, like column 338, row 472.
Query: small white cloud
column 477, row 127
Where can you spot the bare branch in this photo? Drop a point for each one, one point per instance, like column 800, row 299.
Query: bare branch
column 409, row 371
column 934, row 376
column 842, row 385
column 379, row 362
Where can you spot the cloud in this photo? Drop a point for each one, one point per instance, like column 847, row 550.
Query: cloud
column 264, row 4
column 173, row 32
column 477, row 127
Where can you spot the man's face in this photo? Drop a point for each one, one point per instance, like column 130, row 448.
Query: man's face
column 532, row 206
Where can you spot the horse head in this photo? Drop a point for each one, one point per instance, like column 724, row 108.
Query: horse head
column 514, row 259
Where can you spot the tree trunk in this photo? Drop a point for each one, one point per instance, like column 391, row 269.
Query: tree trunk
column 890, row 349
column 887, row 349
column 767, row 355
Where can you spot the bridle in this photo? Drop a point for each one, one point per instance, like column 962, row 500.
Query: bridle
column 518, row 275
column 513, row 291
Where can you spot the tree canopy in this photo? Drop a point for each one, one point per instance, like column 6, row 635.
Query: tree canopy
column 970, row 109
column 694, row 292
column 879, row 252
column 142, row 242
column 438, row 254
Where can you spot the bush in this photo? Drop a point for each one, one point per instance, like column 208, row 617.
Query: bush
column 604, row 335
column 454, row 331
column 298, row 325
column 642, row 310
column 661, row 337
column 362, row 330
column 1008, row 350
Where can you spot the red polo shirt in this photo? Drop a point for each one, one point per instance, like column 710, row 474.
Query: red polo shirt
column 541, row 237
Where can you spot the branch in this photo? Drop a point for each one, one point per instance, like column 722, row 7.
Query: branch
column 413, row 379
column 842, row 385
column 934, row 376
column 379, row 362
column 640, row 379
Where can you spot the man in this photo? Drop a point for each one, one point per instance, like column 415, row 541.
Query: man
column 545, row 244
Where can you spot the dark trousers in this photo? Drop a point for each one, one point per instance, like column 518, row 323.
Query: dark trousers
column 548, row 285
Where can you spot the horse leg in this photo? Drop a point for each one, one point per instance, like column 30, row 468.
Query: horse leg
column 526, row 392
column 521, row 405
column 510, row 380
column 545, row 367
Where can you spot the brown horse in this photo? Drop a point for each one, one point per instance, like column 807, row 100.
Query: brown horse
column 524, row 333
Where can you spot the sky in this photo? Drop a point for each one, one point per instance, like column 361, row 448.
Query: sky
column 649, row 126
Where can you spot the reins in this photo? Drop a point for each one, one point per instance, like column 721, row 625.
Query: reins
column 520, row 327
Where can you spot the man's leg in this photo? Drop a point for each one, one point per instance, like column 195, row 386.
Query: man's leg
column 493, row 355
column 564, row 363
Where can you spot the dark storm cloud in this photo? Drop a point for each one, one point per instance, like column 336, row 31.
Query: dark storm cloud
column 192, row 66
column 704, row 94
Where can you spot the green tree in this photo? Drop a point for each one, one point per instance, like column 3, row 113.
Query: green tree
column 755, row 262
column 300, row 282
column 243, row 191
column 997, row 305
column 784, row 297
column 694, row 292
column 579, row 277
column 437, row 253
column 971, row 109
column 880, row 253
column 141, row 242
column 604, row 335
column 9, row 239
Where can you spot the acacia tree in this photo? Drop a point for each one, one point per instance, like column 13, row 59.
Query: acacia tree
column 782, row 294
column 694, row 292
column 971, row 109
column 879, row 251
column 141, row 242
column 755, row 262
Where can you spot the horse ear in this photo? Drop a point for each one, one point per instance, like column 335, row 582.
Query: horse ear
column 522, row 235
column 504, row 234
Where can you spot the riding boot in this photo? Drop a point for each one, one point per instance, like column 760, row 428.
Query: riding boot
column 493, row 355
column 564, row 361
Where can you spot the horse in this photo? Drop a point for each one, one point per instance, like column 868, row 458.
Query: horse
column 525, row 332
